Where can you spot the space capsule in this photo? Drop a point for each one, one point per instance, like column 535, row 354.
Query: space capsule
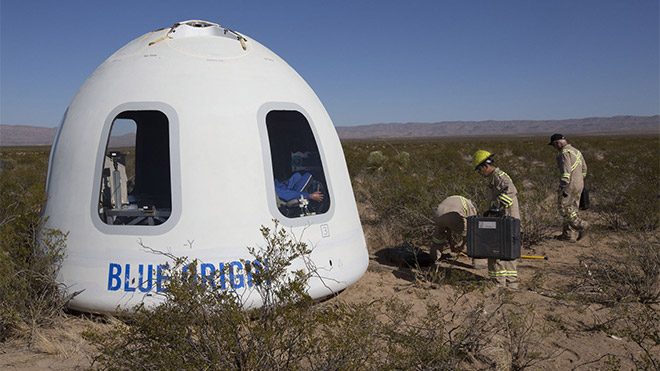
column 186, row 141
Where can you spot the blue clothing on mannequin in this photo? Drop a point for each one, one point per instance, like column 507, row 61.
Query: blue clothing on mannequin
column 293, row 187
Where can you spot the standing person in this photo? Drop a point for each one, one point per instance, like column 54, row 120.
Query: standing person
column 451, row 226
column 572, row 171
column 503, row 196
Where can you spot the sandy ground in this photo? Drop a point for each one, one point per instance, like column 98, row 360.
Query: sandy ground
column 59, row 348
column 571, row 347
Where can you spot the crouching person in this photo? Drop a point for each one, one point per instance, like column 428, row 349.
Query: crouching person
column 451, row 226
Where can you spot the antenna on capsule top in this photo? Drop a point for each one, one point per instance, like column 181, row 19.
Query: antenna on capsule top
column 197, row 27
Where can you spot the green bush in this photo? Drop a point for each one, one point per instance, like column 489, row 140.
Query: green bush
column 199, row 325
column 29, row 294
column 624, row 176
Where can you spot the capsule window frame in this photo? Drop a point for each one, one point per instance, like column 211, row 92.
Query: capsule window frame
column 175, row 171
column 271, row 197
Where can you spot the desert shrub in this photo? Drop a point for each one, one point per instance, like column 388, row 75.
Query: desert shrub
column 641, row 324
column 390, row 335
column 419, row 344
column 201, row 326
column 630, row 275
column 624, row 177
column 428, row 275
column 638, row 323
column 29, row 261
column 447, row 339
column 414, row 177
column 31, row 296
column 376, row 160
column 538, row 219
column 523, row 338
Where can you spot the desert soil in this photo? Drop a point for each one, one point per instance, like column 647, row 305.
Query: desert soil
column 63, row 347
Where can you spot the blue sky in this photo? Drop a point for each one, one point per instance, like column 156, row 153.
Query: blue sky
column 368, row 61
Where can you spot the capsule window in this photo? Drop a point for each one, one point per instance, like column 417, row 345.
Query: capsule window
column 300, row 185
column 135, row 178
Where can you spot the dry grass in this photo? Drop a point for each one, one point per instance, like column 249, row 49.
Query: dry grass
column 417, row 322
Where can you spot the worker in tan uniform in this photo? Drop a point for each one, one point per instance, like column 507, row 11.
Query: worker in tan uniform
column 451, row 226
column 503, row 196
column 572, row 171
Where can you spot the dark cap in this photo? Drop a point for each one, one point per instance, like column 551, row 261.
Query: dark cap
column 555, row 137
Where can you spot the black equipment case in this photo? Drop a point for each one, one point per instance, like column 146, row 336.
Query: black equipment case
column 584, row 198
column 493, row 237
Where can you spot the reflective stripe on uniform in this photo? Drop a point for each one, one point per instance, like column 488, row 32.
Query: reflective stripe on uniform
column 503, row 273
column 506, row 200
column 502, row 173
column 577, row 155
column 576, row 164
column 465, row 206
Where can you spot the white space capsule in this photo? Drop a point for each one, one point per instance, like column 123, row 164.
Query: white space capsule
column 177, row 142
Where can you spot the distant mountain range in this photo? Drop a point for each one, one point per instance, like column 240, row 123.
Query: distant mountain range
column 24, row 135
column 585, row 126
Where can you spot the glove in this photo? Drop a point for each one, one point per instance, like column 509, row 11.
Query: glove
column 494, row 211
column 562, row 188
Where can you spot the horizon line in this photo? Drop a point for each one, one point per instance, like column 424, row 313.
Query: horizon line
column 428, row 122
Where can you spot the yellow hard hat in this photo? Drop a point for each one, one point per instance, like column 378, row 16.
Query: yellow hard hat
column 480, row 156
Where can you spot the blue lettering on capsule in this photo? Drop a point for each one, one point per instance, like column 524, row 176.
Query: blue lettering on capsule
column 147, row 277
column 207, row 271
column 114, row 281
column 235, row 275
column 161, row 277
column 148, row 281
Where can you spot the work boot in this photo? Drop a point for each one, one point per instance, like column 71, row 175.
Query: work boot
column 565, row 237
column 566, row 233
column 447, row 256
column 582, row 232
column 435, row 252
